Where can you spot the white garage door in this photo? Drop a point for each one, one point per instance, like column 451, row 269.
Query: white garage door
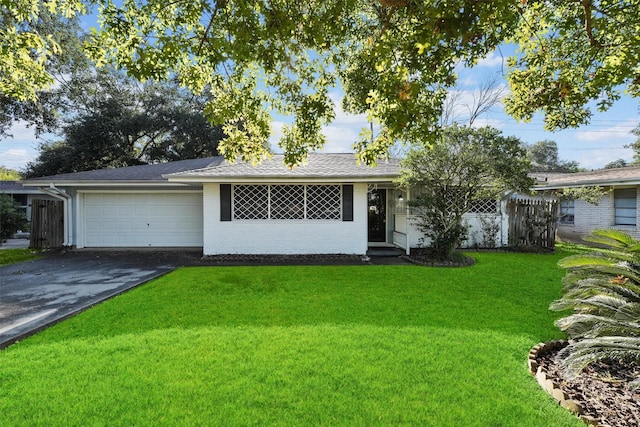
column 142, row 220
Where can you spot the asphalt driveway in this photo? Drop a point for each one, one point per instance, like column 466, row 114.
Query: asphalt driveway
column 38, row 293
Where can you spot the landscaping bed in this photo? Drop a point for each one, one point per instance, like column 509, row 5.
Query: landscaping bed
column 601, row 391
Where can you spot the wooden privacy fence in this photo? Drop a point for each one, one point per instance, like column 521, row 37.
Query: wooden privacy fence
column 532, row 223
column 47, row 224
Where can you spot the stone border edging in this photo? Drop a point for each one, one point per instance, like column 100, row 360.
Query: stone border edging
column 550, row 384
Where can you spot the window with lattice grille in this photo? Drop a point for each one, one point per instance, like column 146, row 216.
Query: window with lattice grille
column 484, row 206
column 323, row 202
column 287, row 202
column 251, row 201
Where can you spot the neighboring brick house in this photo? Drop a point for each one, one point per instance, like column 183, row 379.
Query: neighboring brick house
column 618, row 208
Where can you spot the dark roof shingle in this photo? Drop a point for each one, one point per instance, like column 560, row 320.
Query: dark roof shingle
column 153, row 172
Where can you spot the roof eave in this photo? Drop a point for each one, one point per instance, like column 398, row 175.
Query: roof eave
column 101, row 183
column 589, row 183
column 280, row 179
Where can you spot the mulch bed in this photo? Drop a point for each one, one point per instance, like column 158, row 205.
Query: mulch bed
column 602, row 389
column 424, row 256
column 325, row 259
column 430, row 262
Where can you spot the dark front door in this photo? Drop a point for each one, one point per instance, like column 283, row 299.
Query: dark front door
column 378, row 216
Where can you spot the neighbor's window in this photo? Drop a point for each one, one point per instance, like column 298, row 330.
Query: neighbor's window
column 287, row 202
column 625, row 206
column 567, row 209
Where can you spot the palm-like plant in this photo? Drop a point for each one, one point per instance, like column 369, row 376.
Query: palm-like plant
column 603, row 289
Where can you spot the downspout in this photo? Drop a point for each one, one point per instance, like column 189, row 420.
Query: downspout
column 407, row 249
column 59, row 194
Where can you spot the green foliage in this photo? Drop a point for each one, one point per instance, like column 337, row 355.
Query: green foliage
column 544, row 157
column 112, row 121
column 618, row 163
column 40, row 112
column 570, row 54
column 635, row 146
column 25, row 49
column 590, row 194
column 7, row 174
column 462, row 165
column 12, row 217
column 603, row 290
column 395, row 59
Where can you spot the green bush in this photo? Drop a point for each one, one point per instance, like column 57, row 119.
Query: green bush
column 603, row 289
column 12, row 217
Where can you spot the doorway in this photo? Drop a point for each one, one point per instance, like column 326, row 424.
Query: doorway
column 377, row 208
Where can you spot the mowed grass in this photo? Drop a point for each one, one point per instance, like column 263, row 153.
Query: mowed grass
column 344, row 345
column 11, row 256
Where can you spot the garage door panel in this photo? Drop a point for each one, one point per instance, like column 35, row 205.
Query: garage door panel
column 142, row 220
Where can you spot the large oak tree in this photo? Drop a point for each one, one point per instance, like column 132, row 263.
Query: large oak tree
column 109, row 120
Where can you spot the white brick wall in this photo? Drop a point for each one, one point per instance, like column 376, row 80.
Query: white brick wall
column 284, row 236
column 475, row 235
column 589, row 217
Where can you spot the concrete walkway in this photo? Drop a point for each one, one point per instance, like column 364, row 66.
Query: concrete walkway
column 14, row 244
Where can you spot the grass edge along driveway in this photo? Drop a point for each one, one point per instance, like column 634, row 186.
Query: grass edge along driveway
column 352, row 345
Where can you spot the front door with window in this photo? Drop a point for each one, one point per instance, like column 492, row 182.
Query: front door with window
column 377, row 216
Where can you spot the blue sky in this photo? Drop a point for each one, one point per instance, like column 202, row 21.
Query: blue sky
column 592, row 146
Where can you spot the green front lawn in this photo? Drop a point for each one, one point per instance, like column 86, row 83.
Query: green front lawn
column 357, row 345
column 11, row 256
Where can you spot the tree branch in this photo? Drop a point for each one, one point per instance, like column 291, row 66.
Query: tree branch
column 219, row 5
column 586, row 7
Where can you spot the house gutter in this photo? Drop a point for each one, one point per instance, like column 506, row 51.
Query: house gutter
column 59, row 194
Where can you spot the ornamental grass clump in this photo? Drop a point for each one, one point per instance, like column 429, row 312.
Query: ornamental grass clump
column 603, row 289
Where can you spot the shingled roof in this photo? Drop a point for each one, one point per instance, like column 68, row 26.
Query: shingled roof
column 602, row 177
column 142, row 173
column 14, row 187
column 328, row 166
column 318, row 166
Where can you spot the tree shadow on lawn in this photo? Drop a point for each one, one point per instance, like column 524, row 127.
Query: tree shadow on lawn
column 506, row 293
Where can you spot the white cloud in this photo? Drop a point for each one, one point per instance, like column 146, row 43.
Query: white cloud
column 341, row 133
column 467, row 81
column 494, row 123
column 340, row 138
column 598, row 158
column 20, row 132
column 618, row 131
column 276, row 134
column 15, row 158
column 494, row 59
